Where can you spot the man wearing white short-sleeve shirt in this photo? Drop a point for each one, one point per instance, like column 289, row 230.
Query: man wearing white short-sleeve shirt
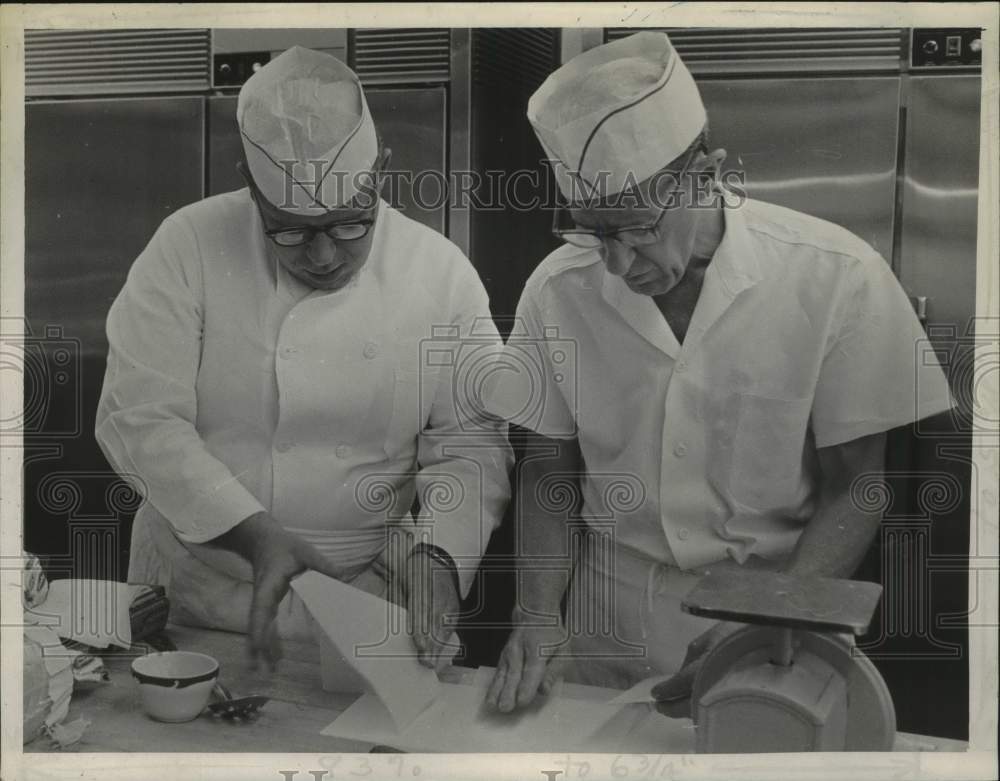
column 714, row 376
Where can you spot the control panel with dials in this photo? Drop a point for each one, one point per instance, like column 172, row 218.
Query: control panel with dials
column 947, row 48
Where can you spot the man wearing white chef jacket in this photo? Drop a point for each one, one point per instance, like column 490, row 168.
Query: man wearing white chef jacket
column 712, row 374
column 267, row 381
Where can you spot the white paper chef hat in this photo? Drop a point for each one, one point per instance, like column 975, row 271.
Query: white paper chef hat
column 307, row 133
column 616, row 114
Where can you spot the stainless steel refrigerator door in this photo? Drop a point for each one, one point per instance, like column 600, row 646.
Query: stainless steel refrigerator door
column 100, row 177
column 922, row 551
column 823, row 146
column 940, row 196
column 412, row 123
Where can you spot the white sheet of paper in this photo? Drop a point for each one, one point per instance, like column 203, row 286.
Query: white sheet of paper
column 458, row 721
column 369, row 634
column 93, row 612
column 582, row 718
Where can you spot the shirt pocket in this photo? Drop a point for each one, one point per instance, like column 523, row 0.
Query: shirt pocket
column 766, row 461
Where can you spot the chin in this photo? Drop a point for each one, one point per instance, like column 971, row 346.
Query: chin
column 657, row 288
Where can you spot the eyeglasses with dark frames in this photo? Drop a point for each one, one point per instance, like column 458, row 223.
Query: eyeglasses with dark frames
column 632, row 235
column 347, row 230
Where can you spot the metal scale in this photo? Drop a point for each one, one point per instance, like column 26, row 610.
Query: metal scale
column 793, row 679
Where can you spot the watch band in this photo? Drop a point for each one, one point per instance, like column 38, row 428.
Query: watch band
column 441, row 556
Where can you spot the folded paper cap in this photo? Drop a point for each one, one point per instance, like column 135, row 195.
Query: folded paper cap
column 616, row 114
column 307, row 133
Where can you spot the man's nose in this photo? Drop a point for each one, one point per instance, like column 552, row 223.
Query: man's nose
column 322, row 250
column 617, row 257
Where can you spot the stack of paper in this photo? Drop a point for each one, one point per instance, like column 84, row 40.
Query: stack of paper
column 459, row 721
column 92, row 612
column 407, row 707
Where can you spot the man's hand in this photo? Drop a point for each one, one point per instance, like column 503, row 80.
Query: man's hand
column 276, row 556
column 530, row 663
column 432, row 608
column 673, row 696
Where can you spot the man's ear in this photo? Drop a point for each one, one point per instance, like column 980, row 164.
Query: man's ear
column 245, row 173
column 384, row 158
column 715, row 159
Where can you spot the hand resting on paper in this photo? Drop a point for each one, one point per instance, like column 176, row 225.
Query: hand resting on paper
column 530, row 663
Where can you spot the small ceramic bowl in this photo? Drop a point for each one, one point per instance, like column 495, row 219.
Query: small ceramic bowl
column 175, row 685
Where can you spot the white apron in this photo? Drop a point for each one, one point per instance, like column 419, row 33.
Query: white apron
column 624, row 617
column 191, row 571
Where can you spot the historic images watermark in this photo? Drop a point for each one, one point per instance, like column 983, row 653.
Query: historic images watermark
column 522, row 190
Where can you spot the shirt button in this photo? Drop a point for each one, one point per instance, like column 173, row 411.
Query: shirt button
column 683, row 534
column 371, row 350
column 680, row 450
column 284, row 447
column 343, row 451
column 681, row 366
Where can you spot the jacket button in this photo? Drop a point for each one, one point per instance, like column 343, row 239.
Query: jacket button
column 681, row 366
column 284, row 447
column 343, row 451
column 680, row 450
column 371, row 350
column 683, row 534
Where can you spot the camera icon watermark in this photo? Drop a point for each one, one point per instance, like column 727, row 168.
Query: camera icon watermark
column 467, row 363
column 517, row 381
column 47, row 366
column 971, row 361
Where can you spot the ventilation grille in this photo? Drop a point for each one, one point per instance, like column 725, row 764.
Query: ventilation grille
column 103, row 62
column 514, row 59
column 400, row 56
column 742, row 50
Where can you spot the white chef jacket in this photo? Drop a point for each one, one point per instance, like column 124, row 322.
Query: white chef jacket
column 801, row 339
column 232, row 387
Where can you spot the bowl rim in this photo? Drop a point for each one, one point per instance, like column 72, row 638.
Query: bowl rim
column 175, row 682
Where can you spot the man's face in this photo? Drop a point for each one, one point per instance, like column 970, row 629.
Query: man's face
column 652, row 265
column 321, row 262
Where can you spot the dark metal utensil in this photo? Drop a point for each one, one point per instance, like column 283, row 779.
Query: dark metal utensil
column 235, row 709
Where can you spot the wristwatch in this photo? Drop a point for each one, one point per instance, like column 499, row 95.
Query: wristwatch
column 440, row 555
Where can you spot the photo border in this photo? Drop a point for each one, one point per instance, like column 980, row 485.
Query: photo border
column 978, row 762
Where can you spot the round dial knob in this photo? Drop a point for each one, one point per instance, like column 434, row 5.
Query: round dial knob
column 931, row 46
column 975, row 45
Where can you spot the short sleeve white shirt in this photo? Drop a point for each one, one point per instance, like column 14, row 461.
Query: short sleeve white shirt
column 801, row 339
